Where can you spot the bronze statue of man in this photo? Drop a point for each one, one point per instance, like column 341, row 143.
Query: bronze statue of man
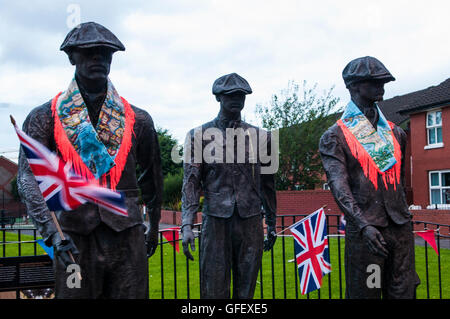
column 363, row 157
column 236, row 195
column 105, row 138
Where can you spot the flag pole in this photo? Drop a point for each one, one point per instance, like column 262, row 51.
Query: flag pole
column 13, row 121
column 58, row 227
column 55, row 220
column 282, row 231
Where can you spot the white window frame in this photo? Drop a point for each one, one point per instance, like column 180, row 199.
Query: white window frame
column 439, row 187
column 434, row 127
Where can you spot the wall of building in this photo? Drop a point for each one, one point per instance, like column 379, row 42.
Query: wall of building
column 432, row 216
column 424, row 160
column 306, row 202
column 8, row 170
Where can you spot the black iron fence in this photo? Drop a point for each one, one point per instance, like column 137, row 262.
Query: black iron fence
column 435, row 266
column 278, row 277
column 172, row 276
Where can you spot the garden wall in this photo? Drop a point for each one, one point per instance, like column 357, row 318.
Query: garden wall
column 306, row 202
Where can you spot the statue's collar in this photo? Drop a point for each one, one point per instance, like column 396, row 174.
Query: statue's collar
column 224, row 122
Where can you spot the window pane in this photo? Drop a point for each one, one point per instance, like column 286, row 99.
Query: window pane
column 434, row 179
column 430, row 119
column 435, row 196
column 439, row 134
column 445, row 179
column 438, row 117
column 446, row 196
column 431, row 136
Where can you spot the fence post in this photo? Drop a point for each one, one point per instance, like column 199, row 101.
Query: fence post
column 2, row 218
column 174, row 266
column 284, row 259
column 295, row 264
column 340, row 262
column 187, row 279
column 426, row 266
column 439, row 262
column 162, row 264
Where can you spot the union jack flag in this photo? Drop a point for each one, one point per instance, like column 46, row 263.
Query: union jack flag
column 61, row 188
column 311, row 250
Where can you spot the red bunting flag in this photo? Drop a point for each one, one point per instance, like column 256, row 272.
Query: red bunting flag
column 172, row 235
column 428, row 236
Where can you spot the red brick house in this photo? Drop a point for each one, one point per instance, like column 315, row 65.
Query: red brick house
column 8, row 170
column 425, row 115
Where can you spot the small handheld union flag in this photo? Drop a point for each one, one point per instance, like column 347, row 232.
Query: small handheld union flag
column 311, row 250
column 61, row 188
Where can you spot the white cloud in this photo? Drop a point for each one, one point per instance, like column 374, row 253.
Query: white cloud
column 176, row 49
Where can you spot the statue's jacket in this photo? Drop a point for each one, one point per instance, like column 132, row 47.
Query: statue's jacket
column 144, row 152
column 223, row 184
column 362, row 203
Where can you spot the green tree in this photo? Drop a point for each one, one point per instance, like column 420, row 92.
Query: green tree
column 172, row 190
column 301, row 120
column 166, row 144
column 172, row 171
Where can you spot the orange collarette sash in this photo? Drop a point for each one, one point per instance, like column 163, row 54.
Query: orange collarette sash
column 370, row 169
column 69, row 154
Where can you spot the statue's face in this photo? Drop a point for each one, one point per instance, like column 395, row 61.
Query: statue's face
column 370, row 90
column 233, row 102
column 92, row 63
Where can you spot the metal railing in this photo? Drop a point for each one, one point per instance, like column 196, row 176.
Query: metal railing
column 278, row 276
column 172, row 276
column 442, row 235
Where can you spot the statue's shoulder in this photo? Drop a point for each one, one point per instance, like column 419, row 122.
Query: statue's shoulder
column 41, row 110
column 257, row 130
column 397, row 129
column 40, row 115
column 141, row 116
column 209, row 124
column 399, row 133
column 203, row 127
column 246, row 125
column 332, row 136
column 334, row 131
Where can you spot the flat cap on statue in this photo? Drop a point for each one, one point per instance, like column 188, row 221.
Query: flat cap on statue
column 365, row 68
column 231, row 83
column 91, row 34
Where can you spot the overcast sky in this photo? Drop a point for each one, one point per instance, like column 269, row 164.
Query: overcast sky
column 176, row 49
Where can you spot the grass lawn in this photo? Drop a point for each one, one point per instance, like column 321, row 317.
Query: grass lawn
column 26, row 249
column 284, row 272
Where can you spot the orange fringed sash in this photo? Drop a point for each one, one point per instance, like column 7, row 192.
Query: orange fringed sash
column 69, row 154
column 370, row 169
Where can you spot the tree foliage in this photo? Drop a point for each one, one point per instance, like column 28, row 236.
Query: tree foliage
column 173, row 184
column 166, row 144
column 172, row 172
column 301, row 118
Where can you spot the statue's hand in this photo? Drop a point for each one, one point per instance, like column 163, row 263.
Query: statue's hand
column 188, row 239
column 375, row 241
column 151, row 241
column 63, row 247
column 271, row 238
